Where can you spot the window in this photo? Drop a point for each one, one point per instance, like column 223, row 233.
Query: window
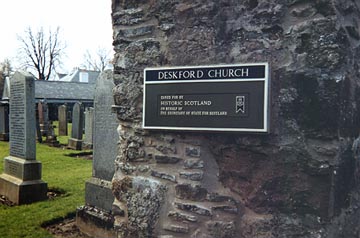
column 83, row 77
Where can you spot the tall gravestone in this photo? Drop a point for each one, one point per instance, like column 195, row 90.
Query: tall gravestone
column 63, row 122
column 43, row 111
column 98, row 188
column 89, row 127
column 75, row 142
column 4, row 122
column 21, row 181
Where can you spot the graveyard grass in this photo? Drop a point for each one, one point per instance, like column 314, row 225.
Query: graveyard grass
column 62, row 173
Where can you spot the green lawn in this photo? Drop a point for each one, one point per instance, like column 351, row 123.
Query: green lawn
column 61, row 173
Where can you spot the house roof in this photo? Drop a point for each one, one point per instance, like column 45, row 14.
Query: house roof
column 58, row 91
column 78, row 74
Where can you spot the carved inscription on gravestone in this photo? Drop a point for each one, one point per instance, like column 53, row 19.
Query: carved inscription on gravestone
column 13, row 169
column 22, row 118
column 17, row 118
column 104, row 149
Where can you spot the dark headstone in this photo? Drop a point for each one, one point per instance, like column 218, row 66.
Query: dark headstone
column 38, row 131
column 63, row 123
column 4, row 122
column 75, row 142
column 43, row 112
column 51, row 139
column 21, row 181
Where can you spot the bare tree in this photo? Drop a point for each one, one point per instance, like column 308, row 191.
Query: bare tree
column 41, row 52
column 97, row 62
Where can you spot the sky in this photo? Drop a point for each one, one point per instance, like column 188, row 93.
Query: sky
column 84, row 25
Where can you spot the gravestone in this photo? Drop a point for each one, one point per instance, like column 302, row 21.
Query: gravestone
column 21, row 181
column 63, row 123
column 51, row 139
column 98, row 188
column 4, row 122
column 38, row 131
column 89, row 127
column 43, row 111
column 75, row 142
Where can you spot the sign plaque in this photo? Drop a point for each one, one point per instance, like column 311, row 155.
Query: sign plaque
column 207, row 98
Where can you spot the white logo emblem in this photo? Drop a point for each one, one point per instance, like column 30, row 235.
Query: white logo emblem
column 240, row 104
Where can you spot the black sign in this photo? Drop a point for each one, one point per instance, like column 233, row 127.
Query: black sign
column 209, row 98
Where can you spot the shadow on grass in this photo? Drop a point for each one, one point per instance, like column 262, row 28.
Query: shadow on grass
column 55, row 192
column 56, row 220
column 81, row 154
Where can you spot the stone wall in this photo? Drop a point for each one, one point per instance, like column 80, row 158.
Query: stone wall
column 289, row 183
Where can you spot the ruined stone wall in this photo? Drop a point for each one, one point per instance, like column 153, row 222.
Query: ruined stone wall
column 289, row 183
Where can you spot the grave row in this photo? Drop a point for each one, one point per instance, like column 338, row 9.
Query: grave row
column 21, row 180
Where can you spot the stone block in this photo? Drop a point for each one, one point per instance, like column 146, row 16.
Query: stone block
column 194, row 176
column 22, row 192
column 178, row 216
column 193, row 164
column 192, row 151
column 177, row 228
column 162, row 159
column 95, row 223
column 74, row 144
column 214, row 197
column 137, row 31
column 193, row 208
column 164, row 175
column 22, row 169
column 226, row 208
column 98, row 193
column 190, row 192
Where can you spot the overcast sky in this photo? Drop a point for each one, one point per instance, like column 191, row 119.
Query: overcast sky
column 84, row 25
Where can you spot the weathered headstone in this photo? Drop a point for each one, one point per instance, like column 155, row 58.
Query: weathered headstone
column 98, row 188
column 38, row 131
column 75, row 142
column 89, row 127
column 43, row 112
column 51, row 139
column 63, row 123
column 4, row 122
column 21, row 181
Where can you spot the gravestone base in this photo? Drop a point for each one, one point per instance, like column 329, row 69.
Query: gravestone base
column 4, row 136
column 98, row 193
column 22, row 192
column 43, row 129
column 21, row 181
column 22, row 169
column 52, row 141
column 95, row 222
column 87, row 146
column 75, row 144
